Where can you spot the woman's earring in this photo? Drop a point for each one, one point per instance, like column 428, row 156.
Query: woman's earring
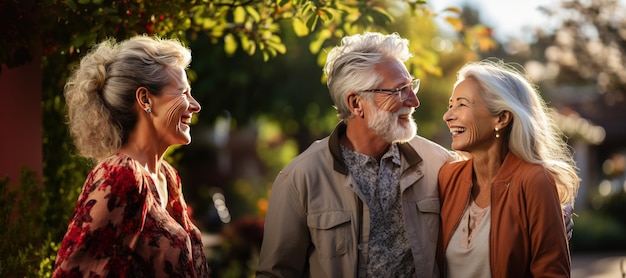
column 148, row 110
column 497, row 134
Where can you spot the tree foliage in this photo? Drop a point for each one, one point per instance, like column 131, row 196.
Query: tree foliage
column 72, row 26
column 221, row 31
column 588, row 46
column 21, row 219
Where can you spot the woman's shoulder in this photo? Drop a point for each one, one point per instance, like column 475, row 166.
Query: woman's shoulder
column 532, row 175
column 169, row 169
column 525, row 169
column 118, row 161
column 453, row 173
column 118, row 169
column 455, row 166
column 171, row 174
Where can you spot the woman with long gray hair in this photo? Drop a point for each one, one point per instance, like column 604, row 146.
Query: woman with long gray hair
column 501, row 208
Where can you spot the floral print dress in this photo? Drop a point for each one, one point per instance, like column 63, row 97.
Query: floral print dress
column 120, row 229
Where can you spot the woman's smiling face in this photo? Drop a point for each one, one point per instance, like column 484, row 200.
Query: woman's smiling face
column 470, row 122
column 173, row 109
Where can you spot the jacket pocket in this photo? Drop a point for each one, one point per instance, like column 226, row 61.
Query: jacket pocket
column 429, row 210
column 330, row 232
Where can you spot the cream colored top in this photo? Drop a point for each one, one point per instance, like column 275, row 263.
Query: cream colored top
column 467, row 254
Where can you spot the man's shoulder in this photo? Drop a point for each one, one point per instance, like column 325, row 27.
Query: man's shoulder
column 316, row 153
column 425, row 142
column 317, row 148
column 426, row 147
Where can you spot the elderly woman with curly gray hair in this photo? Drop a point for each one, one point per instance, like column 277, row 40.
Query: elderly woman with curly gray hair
column 128, row 103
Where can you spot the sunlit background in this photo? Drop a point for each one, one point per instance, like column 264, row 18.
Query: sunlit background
column 264, row 101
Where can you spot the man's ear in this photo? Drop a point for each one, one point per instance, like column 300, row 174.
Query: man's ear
column 354, row 104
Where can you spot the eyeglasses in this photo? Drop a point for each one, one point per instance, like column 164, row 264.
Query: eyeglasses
column 404, row 92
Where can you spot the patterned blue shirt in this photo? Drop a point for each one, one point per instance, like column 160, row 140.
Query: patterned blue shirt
column 389, row 251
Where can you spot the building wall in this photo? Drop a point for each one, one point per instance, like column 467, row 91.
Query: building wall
column 20, row 120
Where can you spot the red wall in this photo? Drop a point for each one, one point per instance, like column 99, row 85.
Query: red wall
column 20, row 120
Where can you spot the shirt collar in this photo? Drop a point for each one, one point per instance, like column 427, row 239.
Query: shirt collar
column 340, row 166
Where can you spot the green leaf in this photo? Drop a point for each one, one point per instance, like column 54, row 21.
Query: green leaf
column 453, row 10
column 299, row 27
column 266, row 56
column 276, row 43
column 321, row 37
column 252, row 12
column 307, row 8
column 282, row 3
column 245, row 41
column 239, row 15
column 251, row 49
column 312, row 22
column 208, row 23
column 71, row 4
column 230, row 45
column 379, row 12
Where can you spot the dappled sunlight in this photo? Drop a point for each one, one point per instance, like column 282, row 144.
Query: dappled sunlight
column 273, row 147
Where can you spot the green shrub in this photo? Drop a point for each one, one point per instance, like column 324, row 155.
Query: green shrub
column 614, row 206
column 21, row 220
column 597, row 231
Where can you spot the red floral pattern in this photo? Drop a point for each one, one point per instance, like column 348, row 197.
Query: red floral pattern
column 120, row 229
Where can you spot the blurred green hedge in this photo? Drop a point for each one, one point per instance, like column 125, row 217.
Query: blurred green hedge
column 601, row 229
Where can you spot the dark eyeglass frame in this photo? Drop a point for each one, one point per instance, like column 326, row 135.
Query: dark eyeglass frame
column 414, row 86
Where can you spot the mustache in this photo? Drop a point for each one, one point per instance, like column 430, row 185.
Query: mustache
column 405, row 110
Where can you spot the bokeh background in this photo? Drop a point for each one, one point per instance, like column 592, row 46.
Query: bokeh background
column 256, row 71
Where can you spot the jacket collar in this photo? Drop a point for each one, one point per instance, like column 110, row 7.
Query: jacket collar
column 406, row 151
column 411, row 156
column 509, row 166
column 333, row 144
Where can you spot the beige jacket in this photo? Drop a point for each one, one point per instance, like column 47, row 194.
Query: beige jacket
column 314, row 227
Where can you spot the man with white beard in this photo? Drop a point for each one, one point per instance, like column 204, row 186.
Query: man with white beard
column 362, row 201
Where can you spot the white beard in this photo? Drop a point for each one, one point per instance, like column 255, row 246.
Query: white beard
column 385, row 124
